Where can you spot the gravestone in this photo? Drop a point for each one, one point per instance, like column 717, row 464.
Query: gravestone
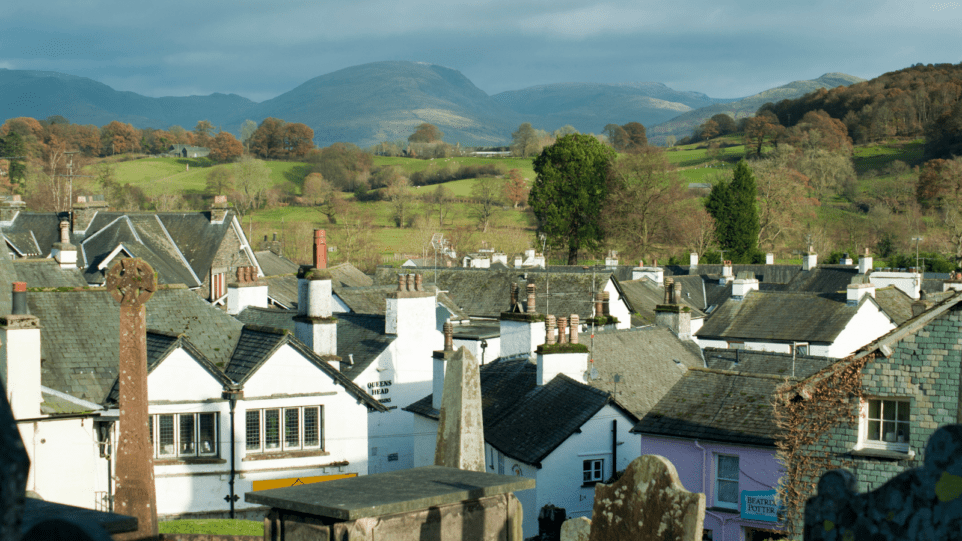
column 648, row 503
column 132, row 282
column 460, row 440
column 920, row 504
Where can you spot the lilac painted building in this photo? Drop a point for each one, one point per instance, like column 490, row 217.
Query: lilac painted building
column 716, row 427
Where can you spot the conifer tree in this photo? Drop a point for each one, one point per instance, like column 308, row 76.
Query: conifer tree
column 732, row 205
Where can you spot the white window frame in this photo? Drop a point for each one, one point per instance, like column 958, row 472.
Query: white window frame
column 592, row 471
column 719, row 479
column 867, row 440
column 284, row 443
column 176, row 450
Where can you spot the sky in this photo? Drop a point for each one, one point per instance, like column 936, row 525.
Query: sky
column 260, row 49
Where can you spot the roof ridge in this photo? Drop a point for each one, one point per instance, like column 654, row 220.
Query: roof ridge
column 265, row 329
column 737, row 373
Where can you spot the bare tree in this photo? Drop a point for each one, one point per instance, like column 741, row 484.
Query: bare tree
column 252, row 179
column 485, row 201
column 400, row 198
column 439, row 203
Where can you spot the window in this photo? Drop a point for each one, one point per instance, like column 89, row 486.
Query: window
column 886, row 424
column 799, row 348
column 176, row 435
column 593, row 470
column 726, row 481
column 284, row 429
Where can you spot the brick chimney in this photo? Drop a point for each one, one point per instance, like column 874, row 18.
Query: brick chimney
column 85, row 210
column 20, row 357
column 809, row 260
column 320, row 249
column 64, row 252
column 246, row 290
column 314, row 324
column 219, row 209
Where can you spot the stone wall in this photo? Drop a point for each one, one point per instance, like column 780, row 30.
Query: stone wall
column 227, row 258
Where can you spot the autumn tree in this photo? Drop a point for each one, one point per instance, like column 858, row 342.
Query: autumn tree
column 426, row 133
column 298, row 140
column 203, row 133
column 733, row 206
column 643, row 190
column 785, row 202
column 829, row 173
column 344, row 165
column 761, row 128
column 516, row 188
column 527, row 141
column 319, row 193
column 630, row 137
column 225, row 147
column 220, row 181
column 252, row 180
column 726, row 124
column 943, row 136
column 269, row 139
column 569, row 192
column 485, row 201
column 567, row 129
column 119, row 138
column 940, row 183
column 817, row 130
column 708, row 129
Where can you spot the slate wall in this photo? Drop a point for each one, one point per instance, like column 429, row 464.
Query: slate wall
column 228, row 257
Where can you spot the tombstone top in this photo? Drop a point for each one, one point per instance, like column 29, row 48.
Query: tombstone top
column 131, row 282
column 388, row 493
column 37, row 511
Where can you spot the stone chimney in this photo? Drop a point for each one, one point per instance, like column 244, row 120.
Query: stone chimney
column 673, row 314
column 522, row 332
column 20, row 357
column 855, row 292
column 745, row 283
column 809, row 260
column 693, row 260
column 219, row 209
column 10, row 206
column 920, row 306
column 612, row 259
column 769, row 258
column 64, row 252
column 865, row 263
column 411, row 312
column 320, row 249
column 727, row 273
column 246, row 290
column 84, row 211
column 314, row 324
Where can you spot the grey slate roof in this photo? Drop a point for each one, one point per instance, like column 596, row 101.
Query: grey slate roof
column 765, row 362
column 644, row 361
column 776, row 316
column 80, row 341
column 273, row 264
column 487, row 292
column 57, row 403
column 643, row 295
column 283, row 290
column 347, row 275
column 716, row 405
column 522, row 420
column 257, row 344
column 359, row 336
column 159, row 346
column 895, row 302
column 47, row 273
column 372, row 300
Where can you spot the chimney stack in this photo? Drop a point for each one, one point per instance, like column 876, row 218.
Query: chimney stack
column 769, row 258
column 669, row 282
column 693, row 260
column 514, row 297
column 218, row 210
column 855, row 292
column 440, row 360
column 448, row 336
column 246, row 290
column 320, row 249
column 745, row 283
column 727, row 274
column 531, row 307
column 865, row 263
column 809, row 260
column 63, row 252
column 314, row 324
column 20, row 357
column 676, row 293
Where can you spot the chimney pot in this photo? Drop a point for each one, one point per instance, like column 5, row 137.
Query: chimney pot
column 676, row 293
column 400, row 282
column 514, row 295
column 562, row 327
column 418, row 282
column 599, row 309
column 549, row 330
column 19, row 300
column 668, row 283
column 320, row 249
column 606, row 302
column 573, row 325
column 531, row 308
column 448, row 336
column 410, row 283
column 64, row 232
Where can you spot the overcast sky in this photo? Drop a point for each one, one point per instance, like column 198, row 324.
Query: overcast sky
column 259, row 49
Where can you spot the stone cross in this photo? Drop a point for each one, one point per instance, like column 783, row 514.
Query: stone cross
column 918, row 504
column 647, row 503
column 132, row 282
column 460, row 442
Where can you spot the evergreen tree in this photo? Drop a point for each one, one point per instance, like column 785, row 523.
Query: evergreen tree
column 13, row 148
column 732, row 205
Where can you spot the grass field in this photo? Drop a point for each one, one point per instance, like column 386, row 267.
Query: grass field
column 212, row 527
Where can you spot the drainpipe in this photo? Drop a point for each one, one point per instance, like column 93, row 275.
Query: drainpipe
column 614, row 447
column 232, row 393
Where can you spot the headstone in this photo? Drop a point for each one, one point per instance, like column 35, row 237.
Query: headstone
column 460, row 441
column 918, row 504
column 132, row 282
column 14, row 467
column 576, row 529
column 648, row 503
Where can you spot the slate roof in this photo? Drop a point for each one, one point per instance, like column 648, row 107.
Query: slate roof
column 358, row 335
column 159, row 346
column 57, row 403
column 776, row 316
column 273, row 264
column 282, row 289
column 771, row 274
column 765, row 362
column 80, row 341
column 372, row 300
column 522, row 420
column 643, row 295
column 347, row 275
column 180, row 246
column 487, row 292
column 46, row 273
column 647, row 362
column 895, row 302
column 257, row 344
column 716, row 405
column 823, row 279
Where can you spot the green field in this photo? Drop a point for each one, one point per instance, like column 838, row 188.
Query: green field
column 212, row 527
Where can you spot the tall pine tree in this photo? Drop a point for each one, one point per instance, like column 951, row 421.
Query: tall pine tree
column 732, row 205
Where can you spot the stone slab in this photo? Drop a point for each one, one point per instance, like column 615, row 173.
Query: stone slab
column 37, row 511
column 388, row 493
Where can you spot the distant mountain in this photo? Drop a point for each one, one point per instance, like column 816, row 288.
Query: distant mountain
column 589, row 107
column 386, row 101
column 40, row 94
column 683, row 124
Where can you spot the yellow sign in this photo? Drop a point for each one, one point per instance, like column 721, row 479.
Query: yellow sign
column 293, row 481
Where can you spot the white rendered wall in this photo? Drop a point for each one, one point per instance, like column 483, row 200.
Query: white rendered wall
column 909, row 282
column 520, row 337
column 617, row 306
column 320, row 337
column 572, row 365
column 868, row 324
column 496, row 462
column 65, row 463
column 181, row 378
column 20, row 371
column 425, row 440
column 492, row 352
column 239, row 298
column 412, row 318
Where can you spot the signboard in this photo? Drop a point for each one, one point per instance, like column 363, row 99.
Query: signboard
column 293, row 481
column 759, row 505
